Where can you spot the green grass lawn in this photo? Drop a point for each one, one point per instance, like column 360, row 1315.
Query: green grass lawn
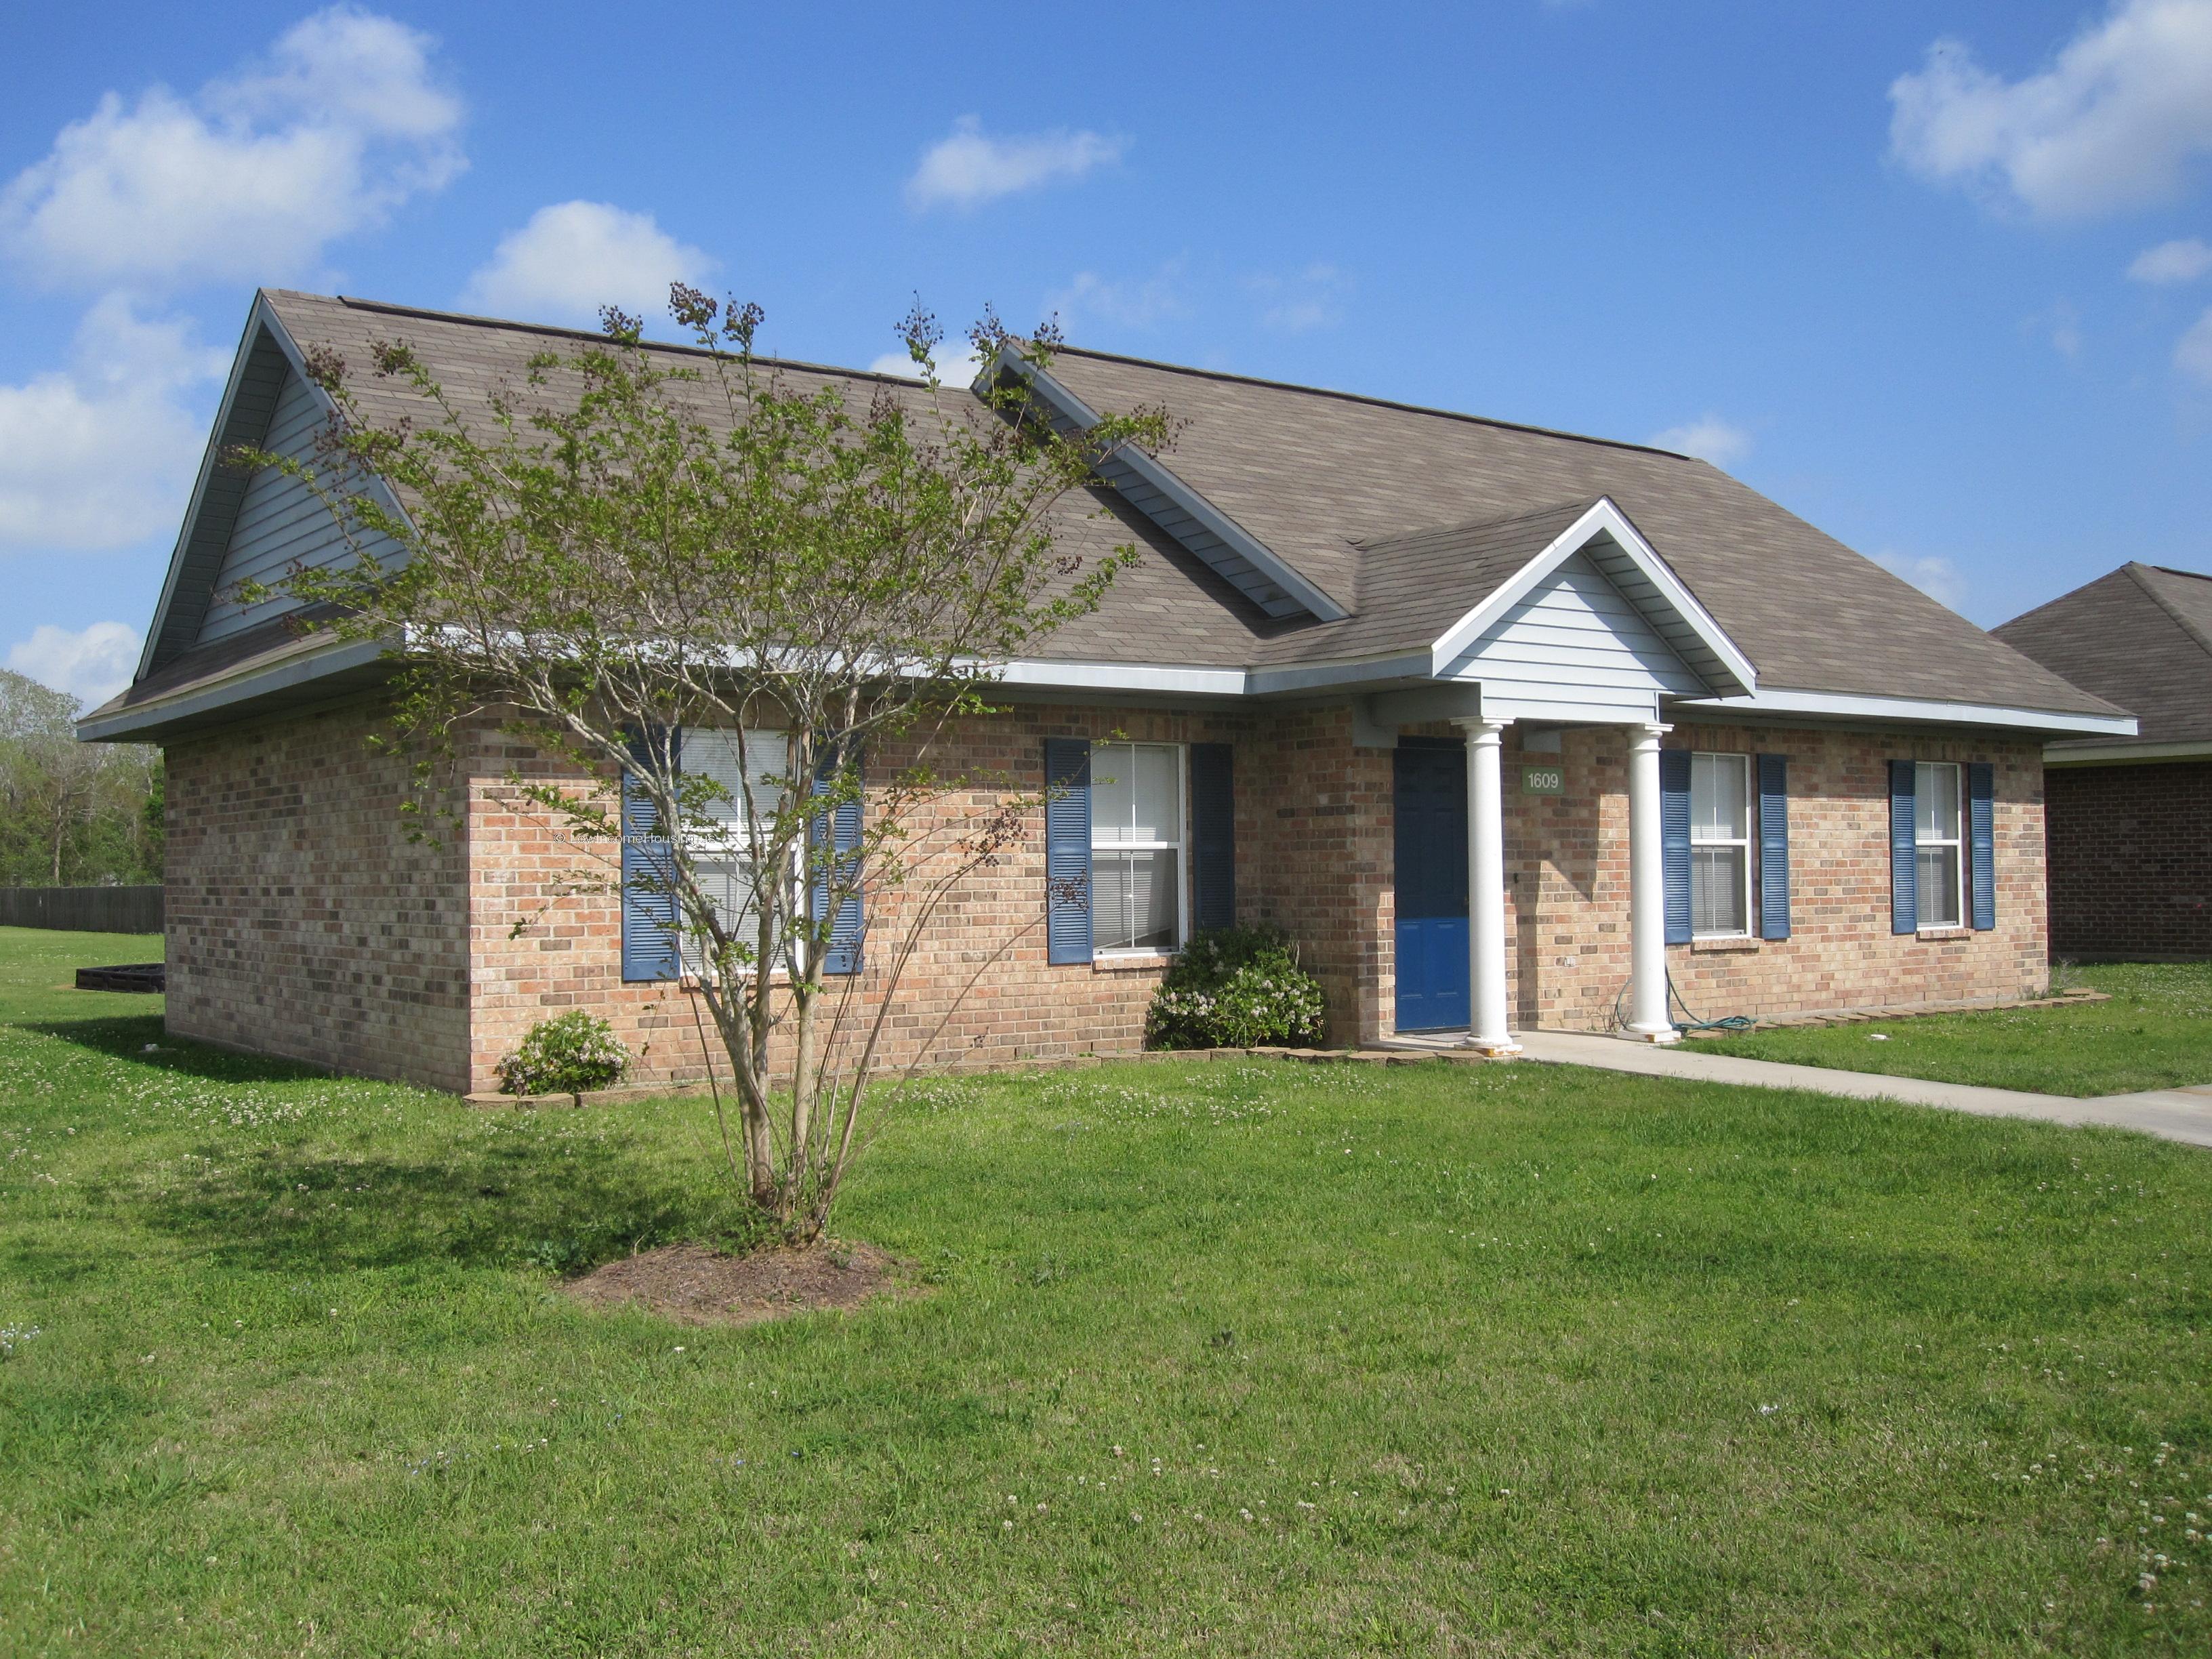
column 1224, row 1357
column 2155, row 1033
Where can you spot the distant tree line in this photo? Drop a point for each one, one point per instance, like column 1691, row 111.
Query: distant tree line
column 72, row 814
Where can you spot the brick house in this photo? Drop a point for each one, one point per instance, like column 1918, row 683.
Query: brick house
column 2129, row 819
column 1507, row 728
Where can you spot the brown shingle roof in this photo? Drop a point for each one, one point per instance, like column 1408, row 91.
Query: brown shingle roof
column 2140, row 637
column 1314, row 473
column 1340, row 486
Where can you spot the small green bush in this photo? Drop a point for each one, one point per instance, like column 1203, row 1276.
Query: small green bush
column 1236, row 988
column 566, row 1055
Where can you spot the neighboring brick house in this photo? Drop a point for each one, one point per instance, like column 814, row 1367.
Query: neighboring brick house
column 2129, row 819
column 1507, row 727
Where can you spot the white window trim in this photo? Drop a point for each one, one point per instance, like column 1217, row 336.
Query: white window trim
column 1179, row 848
column 735, row 839
column 1745, row 841
column 1957, row 843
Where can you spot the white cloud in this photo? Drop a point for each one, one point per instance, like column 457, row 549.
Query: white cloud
column 1938, row 578
column 250, row 179
column 2183, row 261
column 2062, row 323
column 1132, row 304
column 574, row 257
column 969, row 167
column 103, row 454
column 2192, row 354
column 957, row 366
column 1308, row 299
column 1710, row 439
column 93, row 664
column 2113, row 122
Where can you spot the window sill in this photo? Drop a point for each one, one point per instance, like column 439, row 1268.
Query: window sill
column 1122, row 962
column 1724, row 942
column 1943, row 933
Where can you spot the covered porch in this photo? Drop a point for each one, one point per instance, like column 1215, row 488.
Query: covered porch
column 1592, row 635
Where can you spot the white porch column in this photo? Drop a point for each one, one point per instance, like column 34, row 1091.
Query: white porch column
column 1648, row 1020
column 1487, row 1027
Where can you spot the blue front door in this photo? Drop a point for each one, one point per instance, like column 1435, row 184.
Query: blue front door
column 1430, row 794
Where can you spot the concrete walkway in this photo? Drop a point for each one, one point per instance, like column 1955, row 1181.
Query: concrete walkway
column 2184, row 1114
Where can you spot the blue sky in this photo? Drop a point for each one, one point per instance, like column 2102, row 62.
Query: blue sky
column 1936, row 277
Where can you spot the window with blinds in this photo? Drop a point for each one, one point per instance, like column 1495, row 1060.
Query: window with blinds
column 1137, row 844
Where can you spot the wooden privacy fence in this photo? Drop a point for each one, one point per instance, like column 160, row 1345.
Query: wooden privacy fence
column 83, row 910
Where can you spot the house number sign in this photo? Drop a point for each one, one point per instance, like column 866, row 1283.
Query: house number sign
column 1542, row 780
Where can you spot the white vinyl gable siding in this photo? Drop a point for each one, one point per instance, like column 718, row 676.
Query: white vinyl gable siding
column 281, row 522
column 1574, row 649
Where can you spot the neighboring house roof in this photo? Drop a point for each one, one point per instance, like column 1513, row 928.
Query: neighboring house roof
column 1293, row 538
column 2140, row 637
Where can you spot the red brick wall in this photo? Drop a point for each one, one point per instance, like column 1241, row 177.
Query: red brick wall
column 302, row 921
column 2130, row 850
column 1568, row 881
column 978, row 989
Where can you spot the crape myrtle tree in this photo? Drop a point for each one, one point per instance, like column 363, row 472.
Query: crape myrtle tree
column 629, row 543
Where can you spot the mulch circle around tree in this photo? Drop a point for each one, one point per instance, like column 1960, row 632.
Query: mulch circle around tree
column 702, row 1286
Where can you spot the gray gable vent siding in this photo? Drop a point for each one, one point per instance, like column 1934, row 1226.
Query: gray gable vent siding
column 207, row 536
column 280, row 522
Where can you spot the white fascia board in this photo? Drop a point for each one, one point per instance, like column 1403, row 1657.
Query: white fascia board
column 2114, row 754
column 1151, row 469
column 1125, row 676
column 1919, row 711
column 1603, row 518
column 1366, row 673
column 253, row 682
column 1369, row 672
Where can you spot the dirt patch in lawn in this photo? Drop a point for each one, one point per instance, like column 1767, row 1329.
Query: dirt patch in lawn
column 700, row 1286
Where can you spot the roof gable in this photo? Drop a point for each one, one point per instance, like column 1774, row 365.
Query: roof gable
column 1150, row 486
column 2139, row 636
column 1572, row 646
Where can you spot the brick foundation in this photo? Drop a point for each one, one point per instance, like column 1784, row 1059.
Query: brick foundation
column 302, row 922
column 2130, row 850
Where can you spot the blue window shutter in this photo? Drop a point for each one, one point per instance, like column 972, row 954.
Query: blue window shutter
column 1213, row 835
column 1067, row 850
column 1903, row 862
column 650, row 945
column 1675, row 840
column 1773, row 846
column 843, row 953
column 1981, row 806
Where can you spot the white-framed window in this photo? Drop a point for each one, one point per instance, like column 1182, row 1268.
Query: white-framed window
column 1720, row 846
column 721, row 857
column 1137, row 839
column 1941, row 864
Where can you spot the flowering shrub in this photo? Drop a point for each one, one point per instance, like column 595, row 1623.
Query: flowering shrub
column 565, row 1055
column 1236, row 988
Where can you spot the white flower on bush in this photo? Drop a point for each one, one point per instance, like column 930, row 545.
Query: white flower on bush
column 1236, row 988
column 567, row 1054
